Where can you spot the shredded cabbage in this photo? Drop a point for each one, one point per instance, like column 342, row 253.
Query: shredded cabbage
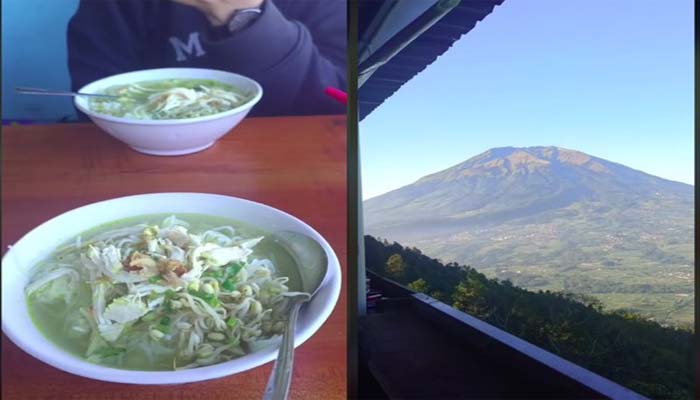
column 199, row 297
column 169, row 99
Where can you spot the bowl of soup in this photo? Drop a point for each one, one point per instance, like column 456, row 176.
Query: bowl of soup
column 170, row 111
column 159, row 288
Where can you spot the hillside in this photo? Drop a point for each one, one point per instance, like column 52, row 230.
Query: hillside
column 653, row 360
column 557, row 219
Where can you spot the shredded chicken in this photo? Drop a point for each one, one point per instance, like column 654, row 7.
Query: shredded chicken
column 169, row 99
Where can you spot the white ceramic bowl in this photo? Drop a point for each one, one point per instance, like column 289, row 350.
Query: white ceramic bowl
column 38, row 243
column 175, row 136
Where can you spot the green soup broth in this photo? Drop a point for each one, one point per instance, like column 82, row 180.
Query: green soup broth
column 56, row 319
column 169, row 99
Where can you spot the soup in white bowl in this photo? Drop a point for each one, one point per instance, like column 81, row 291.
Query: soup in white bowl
column 239, row 342
column 170, row 111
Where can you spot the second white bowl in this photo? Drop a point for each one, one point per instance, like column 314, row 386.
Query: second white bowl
column 177, row 136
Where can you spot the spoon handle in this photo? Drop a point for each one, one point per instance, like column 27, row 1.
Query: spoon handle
column 47, row 92
column 278, row 385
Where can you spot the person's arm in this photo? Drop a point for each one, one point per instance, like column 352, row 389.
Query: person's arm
column 104, row 38
column 294, row 60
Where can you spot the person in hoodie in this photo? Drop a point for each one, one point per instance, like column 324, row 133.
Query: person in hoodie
column 293, row 48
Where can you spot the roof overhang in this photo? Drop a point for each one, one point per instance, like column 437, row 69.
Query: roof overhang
column 400, row 38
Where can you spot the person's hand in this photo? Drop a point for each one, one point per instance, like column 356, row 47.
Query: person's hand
column 218, row 12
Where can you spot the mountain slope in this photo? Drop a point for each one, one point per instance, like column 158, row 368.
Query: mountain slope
column 553, row 218
column 656, row 361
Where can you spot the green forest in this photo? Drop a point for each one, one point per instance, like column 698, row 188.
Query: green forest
column 638, row 353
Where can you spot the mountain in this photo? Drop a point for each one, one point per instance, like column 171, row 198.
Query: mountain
column 554, row 218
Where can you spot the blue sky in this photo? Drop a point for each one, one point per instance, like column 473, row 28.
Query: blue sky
column 612, row 78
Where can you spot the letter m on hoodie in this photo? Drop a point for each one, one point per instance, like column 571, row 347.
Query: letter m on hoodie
column 183, row 50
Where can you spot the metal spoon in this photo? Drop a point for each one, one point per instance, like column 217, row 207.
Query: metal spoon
column 47, row 92
column 312, row 264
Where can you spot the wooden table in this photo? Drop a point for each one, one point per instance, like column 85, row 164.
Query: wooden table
column 296, row 164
